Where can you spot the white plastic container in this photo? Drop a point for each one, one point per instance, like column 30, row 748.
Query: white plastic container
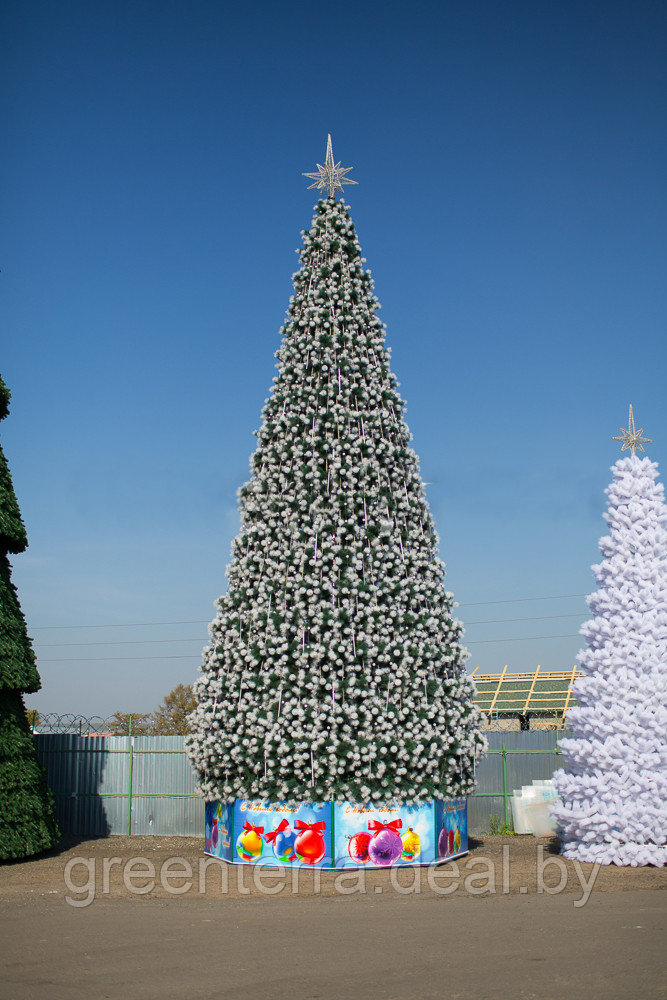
column 537, row 817
column 530, row 808
column 519, row 813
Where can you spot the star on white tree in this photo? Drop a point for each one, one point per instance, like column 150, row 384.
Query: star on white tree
column 331, row 176
column 632, row 439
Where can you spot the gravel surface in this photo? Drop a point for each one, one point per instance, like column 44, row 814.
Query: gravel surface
column 114, row 868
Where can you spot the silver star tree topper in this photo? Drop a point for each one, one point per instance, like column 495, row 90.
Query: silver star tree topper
column 331, row 176
column 632, row 439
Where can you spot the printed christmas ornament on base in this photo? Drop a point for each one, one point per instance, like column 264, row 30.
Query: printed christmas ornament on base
column 449, row 841
column 385, row 846
column 249, row 843
column 309, row 844
column 283, row 840
column 411, row 845
column 358, row 847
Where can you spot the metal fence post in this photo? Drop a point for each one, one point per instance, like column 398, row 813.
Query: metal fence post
column 129, row 780
column 505, row 802
column 75, row 793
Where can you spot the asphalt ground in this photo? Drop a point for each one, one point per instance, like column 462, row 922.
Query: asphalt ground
column 336, row 948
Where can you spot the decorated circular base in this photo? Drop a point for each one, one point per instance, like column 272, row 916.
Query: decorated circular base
column 336, row 834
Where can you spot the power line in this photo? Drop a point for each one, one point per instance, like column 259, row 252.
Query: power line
column 94, row 659
column 206, row 621
column 113, row 642
column 523, row 638
column 196, row 621
column 143, row 642
column 521, row 600
column 169, row 656
column 539, row 618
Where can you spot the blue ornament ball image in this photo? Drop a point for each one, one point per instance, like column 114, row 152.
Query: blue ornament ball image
column 283, row 845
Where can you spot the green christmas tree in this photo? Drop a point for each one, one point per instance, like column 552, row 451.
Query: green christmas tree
column 27, row 822
column 335, row 668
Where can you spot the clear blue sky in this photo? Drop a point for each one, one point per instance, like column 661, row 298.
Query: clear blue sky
column 511, row 205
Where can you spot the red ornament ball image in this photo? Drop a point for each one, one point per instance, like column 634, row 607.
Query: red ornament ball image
column 309, row 844
column 358, row 847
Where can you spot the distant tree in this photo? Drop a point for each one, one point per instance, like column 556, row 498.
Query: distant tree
column 33, row 717
column 171, row 718
column 27, row 820
column 142, row 723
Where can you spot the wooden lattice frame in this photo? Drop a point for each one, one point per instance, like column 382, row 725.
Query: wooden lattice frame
column 531, row 697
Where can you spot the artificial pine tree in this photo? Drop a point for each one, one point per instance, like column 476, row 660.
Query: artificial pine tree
column 614, row 791
column 335, row 668
column 27, row 823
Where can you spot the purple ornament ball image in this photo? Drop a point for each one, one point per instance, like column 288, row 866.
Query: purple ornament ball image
column 445, row 843
column 385, row 847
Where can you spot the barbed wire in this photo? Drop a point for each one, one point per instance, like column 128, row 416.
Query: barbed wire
column 78, row 725
column 69, row 723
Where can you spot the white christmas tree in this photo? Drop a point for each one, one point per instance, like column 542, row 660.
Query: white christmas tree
column 335, row 668
column 614, row 790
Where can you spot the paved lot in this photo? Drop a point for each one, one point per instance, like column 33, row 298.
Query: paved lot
column 512, row 921
column 336, row 948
